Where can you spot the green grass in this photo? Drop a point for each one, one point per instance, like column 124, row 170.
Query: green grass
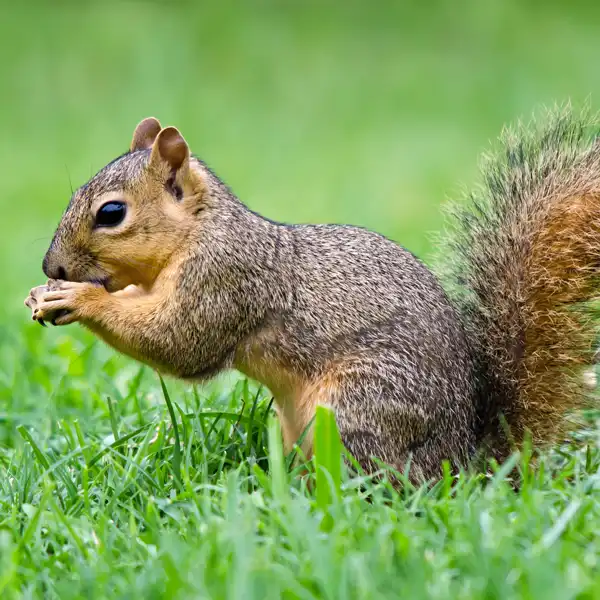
column 102, row 503
column 312, row 112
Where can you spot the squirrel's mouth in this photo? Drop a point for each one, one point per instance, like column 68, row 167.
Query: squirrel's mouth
column 110, row 285
column 107, row 283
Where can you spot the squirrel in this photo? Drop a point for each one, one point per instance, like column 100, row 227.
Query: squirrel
column 158, row 257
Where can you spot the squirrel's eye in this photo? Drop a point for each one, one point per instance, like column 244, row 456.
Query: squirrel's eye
column 110, row 214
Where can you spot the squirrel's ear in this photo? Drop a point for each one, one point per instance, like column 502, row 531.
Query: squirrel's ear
column 145, row 134
column 170, row 147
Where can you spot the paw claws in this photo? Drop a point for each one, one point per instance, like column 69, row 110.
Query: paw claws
column 56, row 303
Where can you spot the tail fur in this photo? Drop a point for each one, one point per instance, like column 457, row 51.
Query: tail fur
column 524, row 269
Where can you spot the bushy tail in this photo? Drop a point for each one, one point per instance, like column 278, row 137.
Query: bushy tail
column 523, row 266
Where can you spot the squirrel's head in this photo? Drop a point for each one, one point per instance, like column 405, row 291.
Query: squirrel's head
column 125, row 224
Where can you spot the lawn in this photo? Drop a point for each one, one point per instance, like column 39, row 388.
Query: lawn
column 367, row 114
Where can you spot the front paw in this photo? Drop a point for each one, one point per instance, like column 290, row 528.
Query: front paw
column 64, row 302
column 32, row 300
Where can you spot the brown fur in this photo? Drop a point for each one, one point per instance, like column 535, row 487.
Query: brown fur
column 559, row 341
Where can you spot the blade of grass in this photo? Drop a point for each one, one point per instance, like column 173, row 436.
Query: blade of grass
column 328, row 461
column 177, row 449
column 113, row 419
column 117, row 443
column 277, row 472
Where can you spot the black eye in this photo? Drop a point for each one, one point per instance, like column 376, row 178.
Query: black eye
column 110, row 214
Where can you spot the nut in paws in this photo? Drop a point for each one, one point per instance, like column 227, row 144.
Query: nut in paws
column 59, row 301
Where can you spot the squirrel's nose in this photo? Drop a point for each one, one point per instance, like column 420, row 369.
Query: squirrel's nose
column 52, row 269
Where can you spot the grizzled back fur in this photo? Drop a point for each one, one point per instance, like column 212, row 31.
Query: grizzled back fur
column 525, row 261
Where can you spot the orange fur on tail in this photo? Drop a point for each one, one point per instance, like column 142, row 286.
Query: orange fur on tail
column 524, row 264
column 561, row 275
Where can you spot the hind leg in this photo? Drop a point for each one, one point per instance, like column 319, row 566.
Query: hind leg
column 406, row 442
column 378, row 418
column 420, row 463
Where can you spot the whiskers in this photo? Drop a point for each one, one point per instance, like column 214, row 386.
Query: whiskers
column 46, row 238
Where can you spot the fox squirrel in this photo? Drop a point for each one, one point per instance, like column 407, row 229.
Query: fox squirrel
column 157, row 257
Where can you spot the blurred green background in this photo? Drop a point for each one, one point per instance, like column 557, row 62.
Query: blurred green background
column 362, row 112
